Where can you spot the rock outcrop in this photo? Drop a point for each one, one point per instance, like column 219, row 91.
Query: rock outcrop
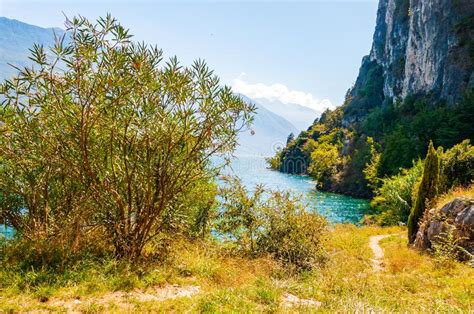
column 457, row 217
column 420, row 47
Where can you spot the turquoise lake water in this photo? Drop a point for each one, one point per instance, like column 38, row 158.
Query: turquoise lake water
column 336, row 207
column 6, row 232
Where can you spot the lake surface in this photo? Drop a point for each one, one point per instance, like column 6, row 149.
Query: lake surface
column 336, row 207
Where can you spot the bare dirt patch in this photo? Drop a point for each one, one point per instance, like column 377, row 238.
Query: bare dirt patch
column 122, row 299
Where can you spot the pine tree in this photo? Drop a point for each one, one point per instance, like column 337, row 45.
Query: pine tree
column 427, row 190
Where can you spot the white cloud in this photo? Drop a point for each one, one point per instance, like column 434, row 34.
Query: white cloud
column 279, row 92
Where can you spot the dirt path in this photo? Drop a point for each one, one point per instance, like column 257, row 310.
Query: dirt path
column 374, row 245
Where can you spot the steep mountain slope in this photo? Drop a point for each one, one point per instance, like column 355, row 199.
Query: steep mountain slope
column 300, row 116
column 16, row 38
column 416, row 85
column 419, row 48
column 269, row 132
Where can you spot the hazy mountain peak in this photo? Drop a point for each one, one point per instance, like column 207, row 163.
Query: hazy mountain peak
column 300, row 116
column 268, row 132
column 16, row 38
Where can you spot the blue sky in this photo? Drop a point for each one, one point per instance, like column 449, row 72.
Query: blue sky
column 307, row 52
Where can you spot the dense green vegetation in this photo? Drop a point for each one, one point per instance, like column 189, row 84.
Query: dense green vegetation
column 400, row 131
column 337, row 167
column 405, row 128
column 399, row 195
column 393, row 200
column 375, row 151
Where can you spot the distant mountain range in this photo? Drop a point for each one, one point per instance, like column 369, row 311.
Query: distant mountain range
column 16, row 38
column 300, row 116
column 269, row 131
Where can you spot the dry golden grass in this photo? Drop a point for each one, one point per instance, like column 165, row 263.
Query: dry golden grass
column 213, row 267
column 409, row 282
column 455, row 193
column 400, row 260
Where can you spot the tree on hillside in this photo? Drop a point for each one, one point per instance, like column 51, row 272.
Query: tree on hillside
column 325, row 160
column 371, row 170
column 102, row 135
column 427, row 190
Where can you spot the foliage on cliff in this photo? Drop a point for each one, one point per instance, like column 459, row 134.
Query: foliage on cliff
column 400, row 130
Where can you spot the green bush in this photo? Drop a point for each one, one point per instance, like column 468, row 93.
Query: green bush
column 291, row 233
column 393, row 200
column 240, row 218
column 446, row 248
column 457, row 166
column 271, row 222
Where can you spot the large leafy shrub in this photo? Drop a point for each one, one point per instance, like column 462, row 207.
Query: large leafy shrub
column 292, row 233
column 103, row 135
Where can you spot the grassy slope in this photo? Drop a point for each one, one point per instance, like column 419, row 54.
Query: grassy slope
column 411, row 282
column 459, row 192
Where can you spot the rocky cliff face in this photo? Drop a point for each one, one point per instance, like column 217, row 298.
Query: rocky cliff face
column 420, row 47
